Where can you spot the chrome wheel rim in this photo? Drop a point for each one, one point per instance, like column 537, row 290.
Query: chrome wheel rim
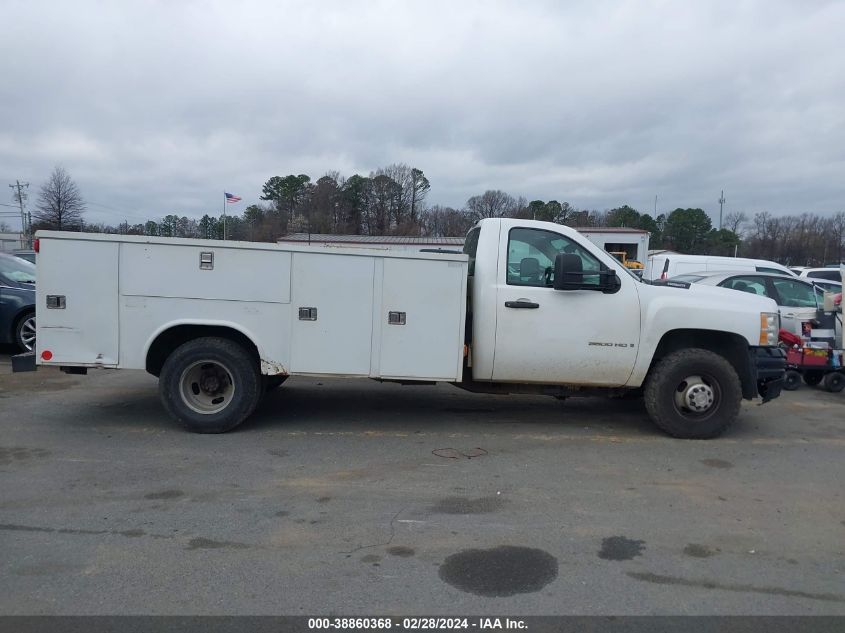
column 207, row 387
column 28, row 333
column 696, row 395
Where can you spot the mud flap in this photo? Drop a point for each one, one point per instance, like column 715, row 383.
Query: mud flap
column 23, row 362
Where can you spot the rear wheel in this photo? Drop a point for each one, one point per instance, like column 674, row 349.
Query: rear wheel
column 812, row 378
column 834, row 382
column 693, row 394
column 791, row 380
column 25, row 332
column 210, row 385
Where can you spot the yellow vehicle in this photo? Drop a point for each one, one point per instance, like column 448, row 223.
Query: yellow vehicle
column 632, row 264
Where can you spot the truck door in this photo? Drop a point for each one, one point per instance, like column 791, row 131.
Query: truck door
column 798, row 303
column 553, row 336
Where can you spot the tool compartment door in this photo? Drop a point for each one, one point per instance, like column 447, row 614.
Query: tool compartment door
column 85, row 332
column 425, row 341
column 340, row 289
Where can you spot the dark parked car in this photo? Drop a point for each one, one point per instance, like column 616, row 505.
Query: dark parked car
column 17, row 302
column 27, row 255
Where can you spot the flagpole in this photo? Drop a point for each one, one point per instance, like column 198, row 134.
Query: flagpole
column 224, row 216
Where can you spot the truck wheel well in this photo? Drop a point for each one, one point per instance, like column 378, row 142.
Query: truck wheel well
column 178, row 335
column 733, row 347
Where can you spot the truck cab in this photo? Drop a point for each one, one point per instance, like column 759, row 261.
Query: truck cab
column 548, row 307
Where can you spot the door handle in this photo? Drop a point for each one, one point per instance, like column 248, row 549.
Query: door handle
column 522, row 303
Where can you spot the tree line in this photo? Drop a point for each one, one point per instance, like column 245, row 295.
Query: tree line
column 393, row 201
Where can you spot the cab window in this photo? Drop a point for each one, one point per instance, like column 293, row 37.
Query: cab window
column 531, row 257
column 747, row 283
column 828, row 286
column 795, row 294
column 763, row 269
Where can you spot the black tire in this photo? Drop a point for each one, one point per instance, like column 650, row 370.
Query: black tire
column 25, row 332
column 700, row 377
column 812, row 378
column 271, row 383
column 834, row 382
column 210, row 385
column 791, row 380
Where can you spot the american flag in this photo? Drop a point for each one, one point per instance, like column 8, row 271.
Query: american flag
column 230, row 197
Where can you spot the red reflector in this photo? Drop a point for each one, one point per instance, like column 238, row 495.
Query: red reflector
column 36, row 244
column 47, row 354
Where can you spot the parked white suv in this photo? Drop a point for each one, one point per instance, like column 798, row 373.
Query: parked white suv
column 830, row 274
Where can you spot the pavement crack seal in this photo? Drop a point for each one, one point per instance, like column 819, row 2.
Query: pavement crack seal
column 388, row 542
column 193, row 544
column 454, row 453
column 709, row 584
column 134, row 533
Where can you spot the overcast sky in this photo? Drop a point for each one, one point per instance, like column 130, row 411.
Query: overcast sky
column 157, row 107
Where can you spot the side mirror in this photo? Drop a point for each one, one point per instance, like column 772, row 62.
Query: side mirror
column 610, row 281
column 569, row 272
column 569, row 275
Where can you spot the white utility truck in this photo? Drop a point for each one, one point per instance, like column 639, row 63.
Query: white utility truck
column 528, row 307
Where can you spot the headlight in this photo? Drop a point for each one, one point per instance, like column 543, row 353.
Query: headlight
column 769, row 326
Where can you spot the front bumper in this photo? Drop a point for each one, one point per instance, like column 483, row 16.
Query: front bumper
column 767, row 365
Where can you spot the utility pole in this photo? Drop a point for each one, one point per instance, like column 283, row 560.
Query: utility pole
column 224, row 216
column 721, row 204
column 26, row 238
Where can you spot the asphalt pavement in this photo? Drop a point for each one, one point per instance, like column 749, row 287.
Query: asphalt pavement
column 355, row 497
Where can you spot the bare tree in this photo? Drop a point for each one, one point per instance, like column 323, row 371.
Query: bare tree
column 492, row 204
column 60, row 205
column 441, row 221
column 596, row 218
column 837, row 232
column 734, row 221
column 400, row 206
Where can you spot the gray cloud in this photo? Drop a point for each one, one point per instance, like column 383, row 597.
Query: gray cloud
column 156, row 107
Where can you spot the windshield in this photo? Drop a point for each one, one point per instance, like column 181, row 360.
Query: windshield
column 17, row 269
column 632, row 273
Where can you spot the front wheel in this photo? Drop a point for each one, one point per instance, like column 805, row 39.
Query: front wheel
column 210, row 385
column 693, row 394
column 834, row 382
column 25, row 332
column 812, row 378
column 791, row 380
